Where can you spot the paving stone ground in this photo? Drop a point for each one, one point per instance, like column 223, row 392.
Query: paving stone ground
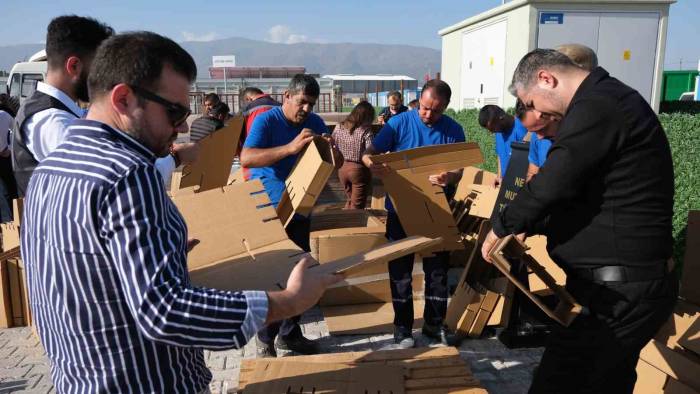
column 24, row 367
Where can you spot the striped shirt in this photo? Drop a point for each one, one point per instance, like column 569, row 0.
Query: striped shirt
column 105, row 254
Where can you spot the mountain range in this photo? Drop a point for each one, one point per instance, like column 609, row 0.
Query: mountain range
column 326, row 58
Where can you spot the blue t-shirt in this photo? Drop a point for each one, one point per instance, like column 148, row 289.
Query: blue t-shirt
column 406, row 131
column 538, row 150
column 269, row 130
column 503, row 140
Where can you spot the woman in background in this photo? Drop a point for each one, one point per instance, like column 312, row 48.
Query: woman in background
column 352, row 136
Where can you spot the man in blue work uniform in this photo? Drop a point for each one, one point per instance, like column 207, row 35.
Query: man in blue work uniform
column 507, row 129
column 414, row 129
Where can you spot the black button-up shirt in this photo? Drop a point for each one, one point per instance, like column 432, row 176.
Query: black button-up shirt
column 605, row 194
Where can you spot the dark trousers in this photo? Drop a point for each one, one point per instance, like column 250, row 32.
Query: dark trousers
column 400, row 278
column 357, row 182
column 599, row 351
column 298, row 231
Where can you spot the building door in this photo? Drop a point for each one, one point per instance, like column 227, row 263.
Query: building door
column 483, row 65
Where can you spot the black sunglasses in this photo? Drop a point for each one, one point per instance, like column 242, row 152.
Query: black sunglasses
column 177, row 113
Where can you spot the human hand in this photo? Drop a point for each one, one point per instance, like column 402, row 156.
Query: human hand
column 187, row 153
column 305, row 287
column 489, row 243
column 300, row 141
column 443, row 179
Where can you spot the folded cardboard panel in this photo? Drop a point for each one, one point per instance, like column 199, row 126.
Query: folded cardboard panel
column 378, row 198
column 537, row 245
column 332, row 219
column 682, row 330
column 213, row 165
column 422, row 207
column 691, row 261
column 425, row 370
column 473, row 176
column 651, row 380
column 306, row 180
column 17, row 293
column 6, row 285
column 510, row 248
column 679, row 364
column 366, row 318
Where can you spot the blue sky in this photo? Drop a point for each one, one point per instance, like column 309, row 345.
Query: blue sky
column 391, row 22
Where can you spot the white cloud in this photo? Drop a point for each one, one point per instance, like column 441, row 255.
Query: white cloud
column 189, row 36
column 282, row 34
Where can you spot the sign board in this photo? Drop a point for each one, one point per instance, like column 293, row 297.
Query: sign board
column 223, row 61
column 514, row 178
column 552, row 18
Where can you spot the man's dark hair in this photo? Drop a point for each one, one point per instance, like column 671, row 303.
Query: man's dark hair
column 212, row 98
column 72, row 35
column 219, row 109
column 413, row 103
column 520, row 109
column 304, row 83
column 395, row 94
column 489, row 113
column 439, row 87
column 137, row 59
column 252, row 90
column 538, row 59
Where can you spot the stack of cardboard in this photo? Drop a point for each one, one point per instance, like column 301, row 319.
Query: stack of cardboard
column 14, row 304
column 10, row 230
column 670, row 363
column 426, row 370
column 361, row 302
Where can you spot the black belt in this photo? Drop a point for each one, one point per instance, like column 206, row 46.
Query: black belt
column 621, row 273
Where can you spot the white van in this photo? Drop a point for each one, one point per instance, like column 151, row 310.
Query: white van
column 25, row 75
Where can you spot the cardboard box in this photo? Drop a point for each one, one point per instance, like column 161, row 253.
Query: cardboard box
column 307, row 179
column 682, row 328
column 691, row 261
column 370, row 289
column 377, row 318
column 421, row 206
column 242, row 245
column 511, row 248
column 10, row 230
column 213, row 166
column 331, row 219
column 425, row 370
column 651, row 380
column 473, row 176
column 679, row 364
column 378, row 197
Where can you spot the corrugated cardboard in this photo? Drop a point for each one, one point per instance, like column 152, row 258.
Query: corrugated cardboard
column 378, row 198
column 473, row 176
column 10, row 230
column 681, row 365
column 213, row 165
column 366, row 318
column 651, row 380
column 288, row 376
column 511, row 248
column 368, row 289
column 691, row 261
column 422, row 207
column 17, row 294
column 682, row 328
column 6, row 315
column 242, row 245
column 537, row 245
column 484, row 200
column 306, row 180
column 331, row 219
column 426, row 370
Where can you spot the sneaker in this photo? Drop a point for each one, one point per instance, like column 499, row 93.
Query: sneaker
column 298, row 344
column 403, row 341
column 440, row 333
column 264, row 350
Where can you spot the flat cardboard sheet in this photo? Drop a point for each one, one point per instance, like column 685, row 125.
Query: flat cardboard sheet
column 678, row 364
column 651, row 380
column 425, row 370
column 682, row 330
column 473, row 176
column 368, row 290
column 691, row 261
column 216, row 152
column 366, row 318
column 305, row 182
column 422, row 207
column 537, row 245
column 334, row 219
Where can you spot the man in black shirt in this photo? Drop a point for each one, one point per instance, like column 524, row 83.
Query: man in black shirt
column 395, row 107
column 604, row 199
column 212, row 121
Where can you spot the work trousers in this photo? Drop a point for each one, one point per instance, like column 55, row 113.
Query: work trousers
column 400, row 278
column 298, row 231
column 599, row 351
column 357, row 182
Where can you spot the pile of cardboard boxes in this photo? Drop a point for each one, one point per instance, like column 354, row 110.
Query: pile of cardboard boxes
column 670, row 363
column 14, row 303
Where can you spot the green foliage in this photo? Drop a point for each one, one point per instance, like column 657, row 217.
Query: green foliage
column 683, row 132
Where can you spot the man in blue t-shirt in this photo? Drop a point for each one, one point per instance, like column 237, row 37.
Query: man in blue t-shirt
column 270, row 151
column 507, row 129
column 413, row 129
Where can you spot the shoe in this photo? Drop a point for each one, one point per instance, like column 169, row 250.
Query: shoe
column 298, row 344
column 264, row 350
column 441, row 333
column 403, row 341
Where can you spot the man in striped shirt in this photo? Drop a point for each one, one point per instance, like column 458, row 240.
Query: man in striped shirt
column 106, row 250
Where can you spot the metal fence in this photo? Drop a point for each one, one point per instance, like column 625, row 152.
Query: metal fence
column 235, row 102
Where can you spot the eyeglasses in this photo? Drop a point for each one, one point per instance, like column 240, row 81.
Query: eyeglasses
column 177, row 113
